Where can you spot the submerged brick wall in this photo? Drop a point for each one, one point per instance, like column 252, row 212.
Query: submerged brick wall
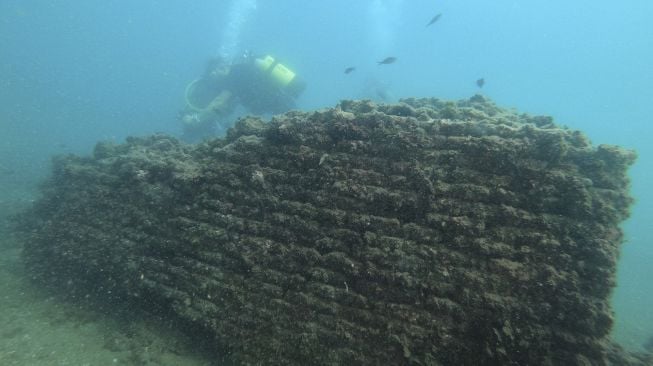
column 425, row 232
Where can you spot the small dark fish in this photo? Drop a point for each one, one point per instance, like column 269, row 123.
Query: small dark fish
column 434, row 19
column 349, row 69
column 480, row 82
column 387, row 60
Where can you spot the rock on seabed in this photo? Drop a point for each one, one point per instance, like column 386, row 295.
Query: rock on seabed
column 426, row 232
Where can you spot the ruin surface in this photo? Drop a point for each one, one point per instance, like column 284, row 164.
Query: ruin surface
column 425, row 232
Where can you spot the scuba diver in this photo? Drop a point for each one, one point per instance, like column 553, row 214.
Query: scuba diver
column 260, row 85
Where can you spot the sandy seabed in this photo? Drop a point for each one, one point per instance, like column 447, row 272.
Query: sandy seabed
column 39, row 328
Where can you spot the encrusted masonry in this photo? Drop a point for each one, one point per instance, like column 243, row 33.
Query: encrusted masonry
column 424, row 232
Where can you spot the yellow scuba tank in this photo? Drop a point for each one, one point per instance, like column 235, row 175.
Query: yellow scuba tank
column 279, row 74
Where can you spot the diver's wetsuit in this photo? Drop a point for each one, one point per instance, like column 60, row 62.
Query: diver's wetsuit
column 255, row 91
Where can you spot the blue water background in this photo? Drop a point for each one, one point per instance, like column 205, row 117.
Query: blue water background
column 75, row 72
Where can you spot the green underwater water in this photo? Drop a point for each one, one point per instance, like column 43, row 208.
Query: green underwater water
column 47, row 108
